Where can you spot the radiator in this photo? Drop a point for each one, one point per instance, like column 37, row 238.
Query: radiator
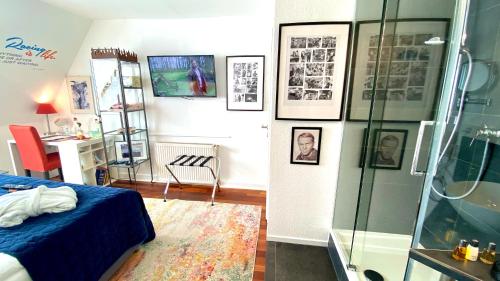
column 166, row 152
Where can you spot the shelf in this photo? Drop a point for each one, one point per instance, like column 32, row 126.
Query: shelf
column 442, row 261
column 118, row 132
column 137, row 163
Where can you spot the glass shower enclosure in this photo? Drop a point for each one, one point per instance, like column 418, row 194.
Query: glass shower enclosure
column 421, row 132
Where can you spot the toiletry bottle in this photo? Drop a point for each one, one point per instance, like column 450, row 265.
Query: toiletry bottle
column 460, row 251
column 472, row 250
column 488, row 254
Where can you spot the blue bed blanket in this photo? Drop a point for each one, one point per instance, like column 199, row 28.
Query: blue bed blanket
column 80, row 244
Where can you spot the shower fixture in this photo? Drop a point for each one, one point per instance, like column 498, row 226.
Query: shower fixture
column 434, row 41
column 486, row 132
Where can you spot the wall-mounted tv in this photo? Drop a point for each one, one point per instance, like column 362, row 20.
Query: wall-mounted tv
column 182, row 76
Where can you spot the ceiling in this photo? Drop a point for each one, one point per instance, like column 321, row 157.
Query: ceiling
column 156, row 9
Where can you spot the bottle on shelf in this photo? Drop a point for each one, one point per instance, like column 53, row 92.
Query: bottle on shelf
column 460, row 251
column 472, row 250
column 488, row 254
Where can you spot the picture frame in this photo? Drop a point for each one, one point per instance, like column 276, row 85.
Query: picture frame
column 312, row 70
column 305, row 145
column 412, row 70
column 388, row 152
column 81, row 99
column 248, row 96
column 139, row 150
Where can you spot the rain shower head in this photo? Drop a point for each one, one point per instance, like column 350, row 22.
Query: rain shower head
column 434, row 41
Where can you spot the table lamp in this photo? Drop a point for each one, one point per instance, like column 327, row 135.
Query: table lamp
column 46, row 108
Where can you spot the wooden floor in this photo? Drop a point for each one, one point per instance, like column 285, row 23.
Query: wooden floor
column 201, row 193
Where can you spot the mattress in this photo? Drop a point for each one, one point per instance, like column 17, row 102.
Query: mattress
column 80, row 244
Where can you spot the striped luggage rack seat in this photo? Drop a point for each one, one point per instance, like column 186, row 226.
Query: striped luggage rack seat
column 194, row 161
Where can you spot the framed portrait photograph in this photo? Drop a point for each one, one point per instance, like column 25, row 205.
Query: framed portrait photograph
column 138, row 150
column 80, row 94
column 388, row 152
column 409, row 70
column 245, row 83
column 312, row 67
column 305, row 145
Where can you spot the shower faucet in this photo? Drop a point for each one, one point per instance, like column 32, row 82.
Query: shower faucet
column 486, row 132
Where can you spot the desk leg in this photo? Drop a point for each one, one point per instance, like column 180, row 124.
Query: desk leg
column 15, row 158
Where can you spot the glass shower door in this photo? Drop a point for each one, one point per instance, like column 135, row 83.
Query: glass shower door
column 462, row 183
column 406, row 87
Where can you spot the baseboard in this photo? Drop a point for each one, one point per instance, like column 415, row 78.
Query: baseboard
column 295, row 240
column 223, row 184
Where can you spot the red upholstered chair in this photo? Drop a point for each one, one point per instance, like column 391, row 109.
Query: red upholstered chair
column 33, row 155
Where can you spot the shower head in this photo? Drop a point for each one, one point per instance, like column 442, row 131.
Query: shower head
column 434, row 41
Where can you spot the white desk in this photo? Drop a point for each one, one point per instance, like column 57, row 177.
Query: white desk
column 79, row 158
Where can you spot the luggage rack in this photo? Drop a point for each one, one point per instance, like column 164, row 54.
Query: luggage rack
column 194, row 161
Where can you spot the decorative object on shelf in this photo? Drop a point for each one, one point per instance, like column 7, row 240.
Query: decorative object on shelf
column 305, row 145
column 94, row 127
column 64, row 124
column 107, row 53
column 389, row 150
column 408, row 73
column 139, row 150
column 312, row 64
column 80, row 94
column 46, row 108
column 245, row 83
column 78, row 129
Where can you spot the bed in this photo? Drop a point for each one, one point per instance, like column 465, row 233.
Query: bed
column 81, row 244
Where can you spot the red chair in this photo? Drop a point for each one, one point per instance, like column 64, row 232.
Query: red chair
column 32, row 151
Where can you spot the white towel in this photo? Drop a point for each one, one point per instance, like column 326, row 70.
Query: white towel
column 17, row 206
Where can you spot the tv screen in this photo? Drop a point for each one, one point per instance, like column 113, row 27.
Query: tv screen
column 182, row 76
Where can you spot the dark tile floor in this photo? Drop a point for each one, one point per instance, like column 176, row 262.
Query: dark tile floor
column 290, row 262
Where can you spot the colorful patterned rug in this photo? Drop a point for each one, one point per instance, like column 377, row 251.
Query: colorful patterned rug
column 197, row 241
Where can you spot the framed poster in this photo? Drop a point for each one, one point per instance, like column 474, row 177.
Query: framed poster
column 388, row 152
column 139, row 151
column 312, row 64
column 245, row 83
column 409, row 70
column 80, row 94
column 305, row 145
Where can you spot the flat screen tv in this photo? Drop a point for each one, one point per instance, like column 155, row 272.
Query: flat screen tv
column 182, row 76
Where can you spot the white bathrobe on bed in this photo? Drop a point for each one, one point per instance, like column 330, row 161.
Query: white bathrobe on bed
column 17, row 206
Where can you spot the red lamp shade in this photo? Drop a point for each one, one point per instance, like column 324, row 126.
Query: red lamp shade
column 45, row 108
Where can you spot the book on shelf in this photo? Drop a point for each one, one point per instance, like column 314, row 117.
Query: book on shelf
column 101, row 176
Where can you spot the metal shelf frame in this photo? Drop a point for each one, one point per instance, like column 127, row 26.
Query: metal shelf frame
column 125, row 133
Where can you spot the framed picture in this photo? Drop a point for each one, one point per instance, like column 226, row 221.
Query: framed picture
column 305, row 145
column 409, row 70
column 80, row 94
column 245, row 83
column 312, row 64
column 388, row 152
column 138, row 150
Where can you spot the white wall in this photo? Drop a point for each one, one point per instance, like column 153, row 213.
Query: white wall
column 21, row 85
column 244, row 142
column 300, row 197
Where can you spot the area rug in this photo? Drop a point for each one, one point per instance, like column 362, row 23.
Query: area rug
column 197, row 241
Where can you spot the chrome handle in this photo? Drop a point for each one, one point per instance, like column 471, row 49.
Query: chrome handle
column 418, row 145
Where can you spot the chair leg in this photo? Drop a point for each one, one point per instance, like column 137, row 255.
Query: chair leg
column 27, row 173
column 61, row 174
column 46, row 175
